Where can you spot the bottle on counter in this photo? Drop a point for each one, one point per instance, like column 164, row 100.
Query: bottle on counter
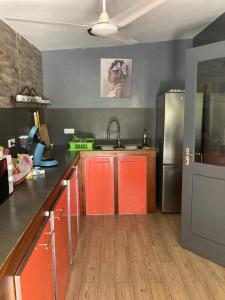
column 145, row 137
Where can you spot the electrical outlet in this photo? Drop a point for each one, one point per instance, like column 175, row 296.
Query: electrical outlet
column 11, row 142
column 69, row 130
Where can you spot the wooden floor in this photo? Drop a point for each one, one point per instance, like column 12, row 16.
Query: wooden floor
column 138, row 257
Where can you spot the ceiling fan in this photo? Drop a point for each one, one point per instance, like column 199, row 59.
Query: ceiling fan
column 105, row 26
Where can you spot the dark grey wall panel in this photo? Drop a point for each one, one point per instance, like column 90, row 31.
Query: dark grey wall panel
column 72, row 77
column 93, row 122
column 215, row 32
column 15, row 122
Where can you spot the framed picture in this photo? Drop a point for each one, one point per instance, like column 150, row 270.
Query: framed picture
column 116, row 77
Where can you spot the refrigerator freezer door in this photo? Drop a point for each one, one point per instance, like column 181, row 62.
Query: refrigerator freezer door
column 171, row 188
column 160, row 128
column 173, row 128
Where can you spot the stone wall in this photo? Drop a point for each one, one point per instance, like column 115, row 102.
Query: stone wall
column 20, row 65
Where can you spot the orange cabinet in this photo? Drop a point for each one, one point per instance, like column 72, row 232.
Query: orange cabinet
column 132, row 184
column 59, row 222
column 99, row 185
column 34, row 279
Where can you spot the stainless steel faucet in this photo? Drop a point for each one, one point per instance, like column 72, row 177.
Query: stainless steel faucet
column 117, row 131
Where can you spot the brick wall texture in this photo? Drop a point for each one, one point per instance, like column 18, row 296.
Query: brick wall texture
column 20, row 65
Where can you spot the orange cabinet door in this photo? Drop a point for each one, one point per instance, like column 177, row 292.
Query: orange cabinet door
column 132, row 185
column 99, row 185
column 59, row 221
column 34, row 279
column 73, row 220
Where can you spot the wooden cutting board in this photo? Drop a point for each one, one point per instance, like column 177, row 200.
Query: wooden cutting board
column 44, row 136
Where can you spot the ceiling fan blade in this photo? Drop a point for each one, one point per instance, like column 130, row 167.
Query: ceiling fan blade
column 122, row 37
column 45, row 22
column 136, row 11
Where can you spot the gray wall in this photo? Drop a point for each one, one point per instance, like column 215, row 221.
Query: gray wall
column 72, row 77
column 72, row 82
column 15, row 122
column 20, row 65
column 94, row 121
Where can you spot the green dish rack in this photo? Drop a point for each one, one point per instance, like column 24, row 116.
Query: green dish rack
column 78, row 144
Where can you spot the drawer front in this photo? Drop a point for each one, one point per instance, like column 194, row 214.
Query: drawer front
column 59, row 217
column 34, row 279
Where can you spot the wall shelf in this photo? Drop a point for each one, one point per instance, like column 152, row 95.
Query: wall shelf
column 28, row 97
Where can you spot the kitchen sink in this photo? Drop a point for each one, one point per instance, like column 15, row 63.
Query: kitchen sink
column 115, row 147
column 131, row 147
column 110, row 147
column 107, row 145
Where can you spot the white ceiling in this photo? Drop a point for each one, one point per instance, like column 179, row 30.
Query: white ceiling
column 174, row 19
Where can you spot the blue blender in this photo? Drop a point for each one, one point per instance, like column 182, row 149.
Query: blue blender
column 38, row 159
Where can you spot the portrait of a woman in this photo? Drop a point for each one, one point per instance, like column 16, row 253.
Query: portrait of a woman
column 116, row 78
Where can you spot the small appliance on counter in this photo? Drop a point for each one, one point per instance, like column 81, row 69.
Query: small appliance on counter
column 38, row 159
column 6, row 182
column 39, row 135
column 10, row 172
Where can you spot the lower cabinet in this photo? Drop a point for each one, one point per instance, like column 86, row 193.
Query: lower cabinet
column 105, row 185
column 44, row 272
column 132, row 185
column 99, row 185
column 59, row 223
column 35, row 278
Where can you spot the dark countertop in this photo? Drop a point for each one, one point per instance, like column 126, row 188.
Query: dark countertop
column 18, row 211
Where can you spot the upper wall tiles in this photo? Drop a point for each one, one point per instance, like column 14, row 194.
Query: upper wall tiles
column 20, row 65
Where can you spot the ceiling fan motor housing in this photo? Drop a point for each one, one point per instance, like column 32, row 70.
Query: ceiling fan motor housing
column 104, row 29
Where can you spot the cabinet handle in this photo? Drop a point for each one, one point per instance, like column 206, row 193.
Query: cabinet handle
column 72, row 173
column 64, row 183
column 59, row 217
column 129, row 161
column 46, row 245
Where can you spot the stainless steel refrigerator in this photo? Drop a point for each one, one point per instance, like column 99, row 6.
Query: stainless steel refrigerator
column 169, row 144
